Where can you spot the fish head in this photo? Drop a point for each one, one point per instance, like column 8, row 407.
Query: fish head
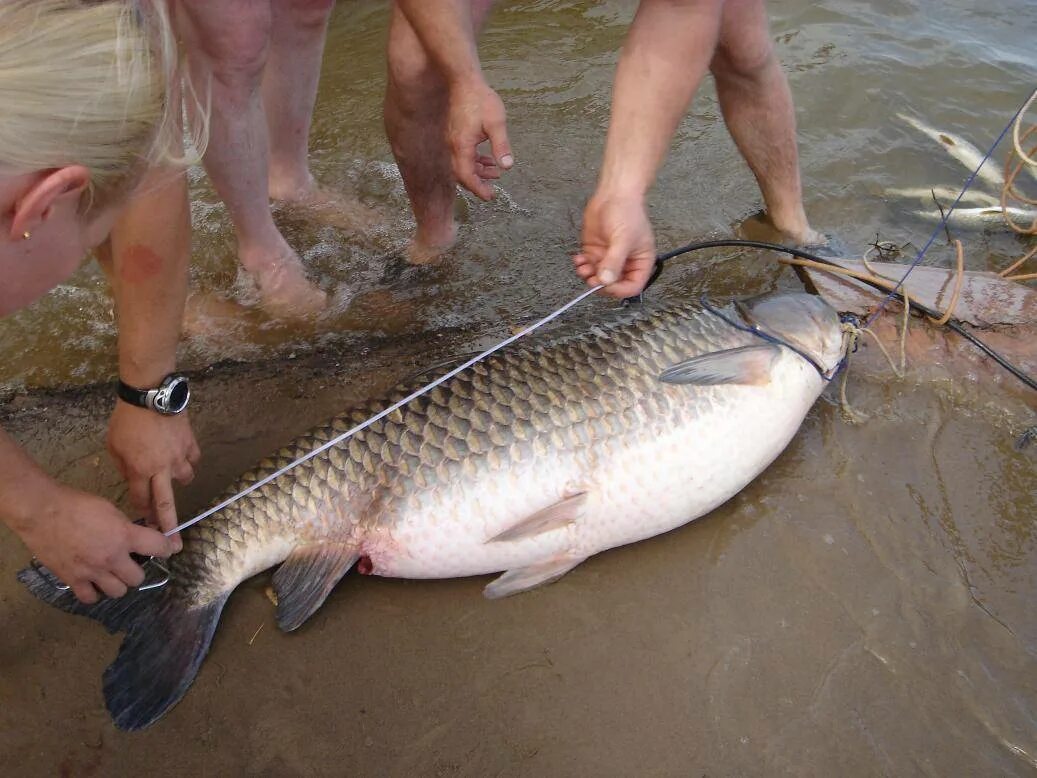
column 802, row 320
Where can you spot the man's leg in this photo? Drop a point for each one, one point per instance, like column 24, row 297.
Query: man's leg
column 290, row 83
column 415, row 121
column 290, row 91
column 227, row 48
column 757, row 106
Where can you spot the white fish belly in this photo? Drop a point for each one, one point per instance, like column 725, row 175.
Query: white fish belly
column 638, row 484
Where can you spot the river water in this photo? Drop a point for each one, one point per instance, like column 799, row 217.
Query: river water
column 865, row 607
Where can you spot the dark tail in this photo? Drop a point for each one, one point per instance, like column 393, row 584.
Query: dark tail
column 166, row 640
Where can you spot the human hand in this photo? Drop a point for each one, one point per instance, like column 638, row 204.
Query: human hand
column 476, row 114
column 86, row 542
column 618, row 245
column 151, row 451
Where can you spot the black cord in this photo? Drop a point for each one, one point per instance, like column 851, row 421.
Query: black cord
column 953, row 324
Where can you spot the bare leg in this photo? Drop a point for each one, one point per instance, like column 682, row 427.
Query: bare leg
column 757, row 106
column 415, row 121
column 290, row 81
column 227, row 43
column 289, row 93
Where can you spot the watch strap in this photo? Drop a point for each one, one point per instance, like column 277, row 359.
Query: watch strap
column 132, row 395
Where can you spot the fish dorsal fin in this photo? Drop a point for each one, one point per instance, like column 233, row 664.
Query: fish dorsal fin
column 742, row 365
column 559, row 514
column 306, row 578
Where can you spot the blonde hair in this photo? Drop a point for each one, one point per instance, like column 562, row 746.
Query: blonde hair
column 90, row 83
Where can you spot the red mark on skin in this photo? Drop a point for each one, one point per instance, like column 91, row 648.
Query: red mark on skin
column 138, row 264
column 364, row 566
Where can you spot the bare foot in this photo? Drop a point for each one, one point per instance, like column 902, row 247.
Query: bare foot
column 286, row 292
column 314, row 202
column 207, row 314
column 423, row 251
column 759, row 226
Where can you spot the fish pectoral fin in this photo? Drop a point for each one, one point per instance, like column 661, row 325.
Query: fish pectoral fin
column 525, row 578
column 555, row 516
column 742, row 365
column 306, row 578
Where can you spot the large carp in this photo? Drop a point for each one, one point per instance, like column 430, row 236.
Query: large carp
column 528, row 463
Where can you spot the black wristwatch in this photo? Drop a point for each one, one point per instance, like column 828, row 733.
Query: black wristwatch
column 170, row 398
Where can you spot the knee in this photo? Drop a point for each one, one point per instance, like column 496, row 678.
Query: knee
column 235, row 53
column 414, row 82
column 310, row 13
column 747, row 60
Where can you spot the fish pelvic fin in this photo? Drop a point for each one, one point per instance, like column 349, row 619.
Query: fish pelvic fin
column 742, row 365
column 306, row 578
column 166, row 640
column 560, row 514
column 523, row 579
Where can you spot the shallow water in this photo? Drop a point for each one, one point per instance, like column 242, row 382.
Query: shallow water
column 865, row 607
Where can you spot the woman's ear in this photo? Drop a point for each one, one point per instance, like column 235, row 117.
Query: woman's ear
column 59, row 189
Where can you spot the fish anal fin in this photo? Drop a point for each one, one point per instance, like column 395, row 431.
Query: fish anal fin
column 523, row 579
column 554, row 516
column 742, row 365
column 306, row 578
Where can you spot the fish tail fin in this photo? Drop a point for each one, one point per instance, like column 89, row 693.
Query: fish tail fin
column 167, row 637
column 159, row 659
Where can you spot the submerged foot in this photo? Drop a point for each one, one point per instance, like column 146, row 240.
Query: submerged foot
column 760, row 226
column 315, row 203
column 429, row 245
column 285, row 291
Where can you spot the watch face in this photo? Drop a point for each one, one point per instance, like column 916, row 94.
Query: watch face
column 174, row 396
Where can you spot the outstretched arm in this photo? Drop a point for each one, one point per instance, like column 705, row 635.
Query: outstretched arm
column 147, row 264
column 667, row 52
column 476, row 113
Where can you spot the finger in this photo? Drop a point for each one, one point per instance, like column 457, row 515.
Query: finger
column 183, row 473
column 151, row 542
column 467, row 177
column 623, row 289
column 140, row 495
column 636, row 275
column 162, row 500
column 110, row 585
column 165, row 508
column 128, row 571
column 194, row 454
column 84, row 591
column 610, row 269
column 583, row 266
column 488, row 172
column 497, row 130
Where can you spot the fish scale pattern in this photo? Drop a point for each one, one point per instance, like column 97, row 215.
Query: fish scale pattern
column 521, row 403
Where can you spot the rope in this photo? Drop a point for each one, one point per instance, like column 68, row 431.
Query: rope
column 958, row 280
column 1009, row 191
column 1015, row 132
column 1018, row 263
column 943, row 221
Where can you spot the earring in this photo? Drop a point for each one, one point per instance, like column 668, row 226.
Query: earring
column 26, row 235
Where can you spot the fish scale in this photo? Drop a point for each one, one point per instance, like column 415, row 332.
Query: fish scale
column 527, row 462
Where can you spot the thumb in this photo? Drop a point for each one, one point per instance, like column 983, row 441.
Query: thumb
column 610, row 269
column 150, row 542
column 497, row 132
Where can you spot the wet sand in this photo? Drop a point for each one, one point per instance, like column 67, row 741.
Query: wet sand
column 843, row 615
